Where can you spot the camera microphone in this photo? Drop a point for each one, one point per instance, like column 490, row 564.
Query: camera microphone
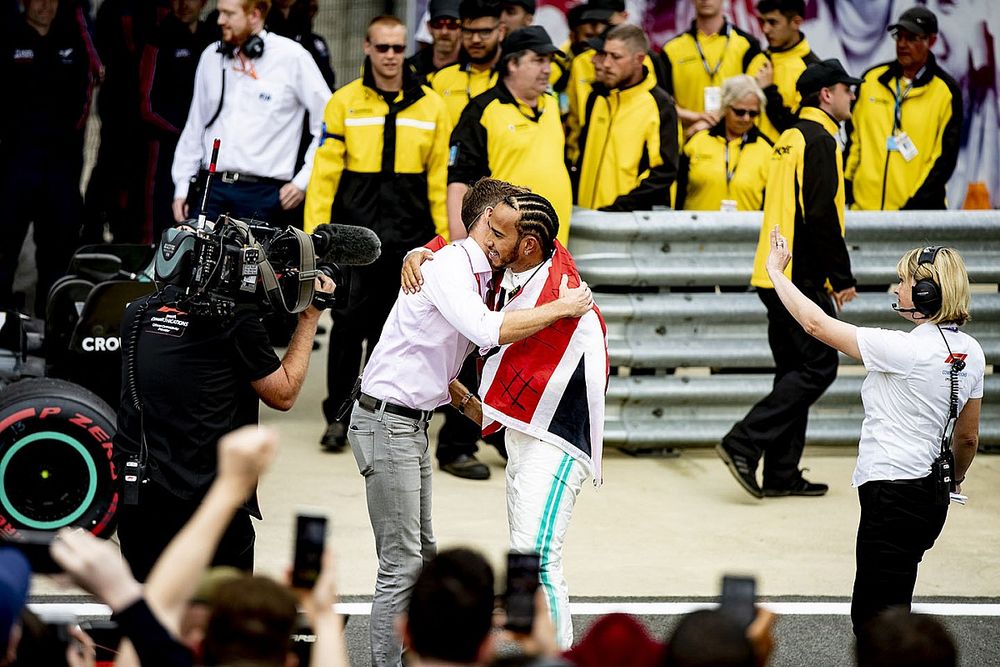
column 346, row 244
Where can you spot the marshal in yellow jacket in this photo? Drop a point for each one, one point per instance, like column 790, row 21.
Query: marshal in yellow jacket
column 382, row 163
column 805, row 198
column 782, row 97
column 713, row 168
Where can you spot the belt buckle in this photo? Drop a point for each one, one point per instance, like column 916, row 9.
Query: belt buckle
column 230, row 176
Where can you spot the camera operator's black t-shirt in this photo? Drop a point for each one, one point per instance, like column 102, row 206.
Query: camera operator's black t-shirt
column 193, row 376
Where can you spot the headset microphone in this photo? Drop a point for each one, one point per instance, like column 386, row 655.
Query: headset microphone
column 346, row 244
column 896, row 307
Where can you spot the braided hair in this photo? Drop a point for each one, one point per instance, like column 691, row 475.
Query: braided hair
column 539, row 219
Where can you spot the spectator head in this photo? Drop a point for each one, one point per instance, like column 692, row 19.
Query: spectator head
column 482, row 30
column 238, row 19
column 517, row 14
column 607, row 12
column 385, row 42
column 742, row 102
column 251, row 623
column 187, row 11
column 781, row 21
column 828, row 86
column 15, row 579
column 581, row 30
column 616, row 639
column 199, row 608
column 624, row 51
column 915, row 34
column 897, row 638
column 40, row 13
column 486, row 193
column 709, row 638
column 948, row 273
column 444, row 26
column 707, row 9
column 526, row 62
column 450, row 612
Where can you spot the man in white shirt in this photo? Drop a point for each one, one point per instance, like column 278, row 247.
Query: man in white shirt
column 424, row 342
column 252, row 91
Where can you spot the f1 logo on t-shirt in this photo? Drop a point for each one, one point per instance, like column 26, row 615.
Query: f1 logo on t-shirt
column 168, row 321
column 955, row 356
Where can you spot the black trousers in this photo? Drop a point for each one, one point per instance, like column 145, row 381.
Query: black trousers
column 899, row 522
column 363, row 305
column 459, row 434
column 145, row 530
column 40, row 186
column 775, row 427
column 159, row 188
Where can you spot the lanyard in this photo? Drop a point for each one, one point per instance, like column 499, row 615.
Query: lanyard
column 711, row 72
column 730, row 174
column 900, row 96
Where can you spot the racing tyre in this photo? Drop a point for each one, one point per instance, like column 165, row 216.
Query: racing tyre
column 55, row 459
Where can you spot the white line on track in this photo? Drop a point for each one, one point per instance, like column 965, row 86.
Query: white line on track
column 47, row 609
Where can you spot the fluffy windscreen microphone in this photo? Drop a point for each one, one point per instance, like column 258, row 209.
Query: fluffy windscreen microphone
column 346, row 244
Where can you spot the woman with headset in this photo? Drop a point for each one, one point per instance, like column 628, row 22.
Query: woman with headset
column 922, row 398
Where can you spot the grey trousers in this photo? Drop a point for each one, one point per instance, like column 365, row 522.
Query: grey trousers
column 392, row 455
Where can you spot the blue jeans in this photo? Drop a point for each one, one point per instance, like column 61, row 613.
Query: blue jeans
column 392, row 455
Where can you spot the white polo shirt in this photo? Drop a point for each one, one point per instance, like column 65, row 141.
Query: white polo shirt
column 907, row 397
column 427, row 336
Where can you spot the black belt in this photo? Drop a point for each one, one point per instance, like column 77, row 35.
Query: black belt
column 240, row 177
column 372, row 404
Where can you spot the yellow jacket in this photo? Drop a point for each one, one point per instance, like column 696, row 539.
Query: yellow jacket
column 498, row 135
column 628, row 148
column 687, row 73
column 706, row 177
column 382, row 164
column 782, row 98
column 459, row 83
column 805, row 199
column 931, row 116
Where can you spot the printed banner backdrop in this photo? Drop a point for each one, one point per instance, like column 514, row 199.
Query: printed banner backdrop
column 855, row 32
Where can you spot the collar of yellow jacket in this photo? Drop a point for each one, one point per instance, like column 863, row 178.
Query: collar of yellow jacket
column 817, row 115
column 798, row 50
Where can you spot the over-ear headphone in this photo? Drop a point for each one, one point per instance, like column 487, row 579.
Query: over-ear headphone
column 926, row 292
column 253, row 48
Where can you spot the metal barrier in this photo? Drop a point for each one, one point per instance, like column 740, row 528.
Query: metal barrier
column 659, row 272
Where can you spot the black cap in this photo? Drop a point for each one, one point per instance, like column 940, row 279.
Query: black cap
column 470, row 10
column 439, row 9
column 529, row 5
column 918, row 20
column 597, row 42
column 601, row 10
column 533, row 38
column 573, row 15
column 824, row 75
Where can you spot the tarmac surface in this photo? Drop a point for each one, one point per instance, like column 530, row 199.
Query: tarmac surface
column 661, row 529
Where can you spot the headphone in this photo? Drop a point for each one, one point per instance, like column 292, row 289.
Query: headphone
column 926, row 292
column 252, row 48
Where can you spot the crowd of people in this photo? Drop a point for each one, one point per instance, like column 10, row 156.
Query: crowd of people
column 486, row 139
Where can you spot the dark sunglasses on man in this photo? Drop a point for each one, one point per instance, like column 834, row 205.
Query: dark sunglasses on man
column 482, row 33
column 384, row 48
column 444, row 22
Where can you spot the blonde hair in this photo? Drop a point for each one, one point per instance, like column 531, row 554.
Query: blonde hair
column 737, row 87
column 949, row 274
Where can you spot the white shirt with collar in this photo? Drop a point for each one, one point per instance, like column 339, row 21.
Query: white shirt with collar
column 427, row 336
column 260, row 123
column 907, row 395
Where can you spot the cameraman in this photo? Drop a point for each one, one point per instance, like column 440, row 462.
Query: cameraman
column 195, row 379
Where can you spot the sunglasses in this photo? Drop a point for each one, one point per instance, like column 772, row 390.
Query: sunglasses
column 445, row 23
column 384, row 48
column 744, row 112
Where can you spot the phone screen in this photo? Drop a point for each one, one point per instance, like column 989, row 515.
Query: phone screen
column 522, row 582
column 738, row 597
column 310, row 540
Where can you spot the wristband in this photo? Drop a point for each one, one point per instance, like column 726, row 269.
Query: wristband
column 465, row 401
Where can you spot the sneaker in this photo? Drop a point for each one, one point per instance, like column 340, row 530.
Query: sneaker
column 800, row 487
column 334, row 438
column 467, row 466
column 743, row 471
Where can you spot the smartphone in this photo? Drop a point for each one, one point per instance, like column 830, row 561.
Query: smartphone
column 738, row 597
column 522, row 582
column 310, row 540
